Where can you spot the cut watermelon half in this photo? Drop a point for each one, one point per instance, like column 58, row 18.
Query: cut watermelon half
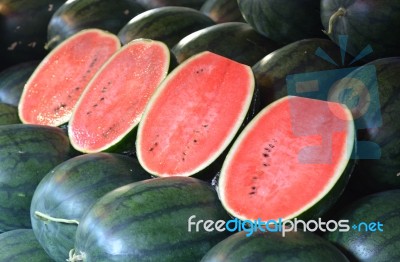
column 194, row 115
column 53, row 89
column 293, row 155
column 114, row 100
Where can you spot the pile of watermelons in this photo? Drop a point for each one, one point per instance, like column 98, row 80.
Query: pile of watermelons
column 199, row 130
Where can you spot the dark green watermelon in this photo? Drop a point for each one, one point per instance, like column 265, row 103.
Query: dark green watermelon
column 366, row 23
column 21, row 245
column 168, row 24
column 283, row 21
column 23, row 29
column 374, row 233
column 235, row 40
column 13, row 80
column 148, row 221
column 74, row 16
column 69, row 190
column 299, row 57
column 8, row 114
column 371, row 92
column 222, row 11
column 272, row 246
column 150, row 4
column 27, row 154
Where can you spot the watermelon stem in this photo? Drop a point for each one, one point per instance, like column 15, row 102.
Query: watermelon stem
column 45, row 217
column 340, row 12
column 74, row 257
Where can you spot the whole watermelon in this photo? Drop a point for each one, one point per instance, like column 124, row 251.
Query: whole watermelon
column 27, row 154
column 374, row 235
column 148, row 221
column 366, row 23
column 371, row 92
column 69, row 190
column 283, row 21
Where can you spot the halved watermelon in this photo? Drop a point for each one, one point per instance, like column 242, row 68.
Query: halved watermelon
column 55, row 86
column 293, row 156
column 114, row 100
column 194, row 115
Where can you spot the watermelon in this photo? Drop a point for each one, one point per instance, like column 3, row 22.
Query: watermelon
column 70, row 189
column 299, row 57
column 13, row 80
column 27, row 154
column 151, row 4
column 74, row 16
column 167, row 24
column 122, row 88
column 176, row 131
column 235, row 40
column 271, row 246
column 283, row 22
column 366, row 23
column 374, row 233
column 313, row 138
column 23, row 29
column 148, row 221
column 222, row 11
column 8, row 114
column 371, row 92
column 21, row 245
column 53, row 89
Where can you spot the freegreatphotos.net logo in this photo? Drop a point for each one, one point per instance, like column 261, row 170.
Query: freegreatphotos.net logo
column 280, row 225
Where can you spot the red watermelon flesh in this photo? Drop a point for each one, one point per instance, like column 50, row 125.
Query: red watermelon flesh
column 287, row 159
column 194, row 115
column 55, row 86
column 113, row 102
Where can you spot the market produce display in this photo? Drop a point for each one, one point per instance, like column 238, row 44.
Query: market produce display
column 199, row 130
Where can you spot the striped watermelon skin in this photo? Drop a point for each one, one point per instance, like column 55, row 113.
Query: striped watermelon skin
column 283, row 22
column 21, row 245
column 272, row 246
column 13, row 80
column 373, row 246
column 150, row 4
column 148, row 221
column 235, row 40
column 373, row 175
column 27, row 154
column 74, row 16
column 222, row 11
column 8, row 114
column 168, row 24
column 298, row 57
column 69, row 190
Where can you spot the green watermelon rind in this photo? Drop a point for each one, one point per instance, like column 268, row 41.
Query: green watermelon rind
column 365, row 243
column 27, row 154
column 167, row 24
column 149, row 221
column 272, row 246
column 75, row 16
column 21, row 245
column 70, row 189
